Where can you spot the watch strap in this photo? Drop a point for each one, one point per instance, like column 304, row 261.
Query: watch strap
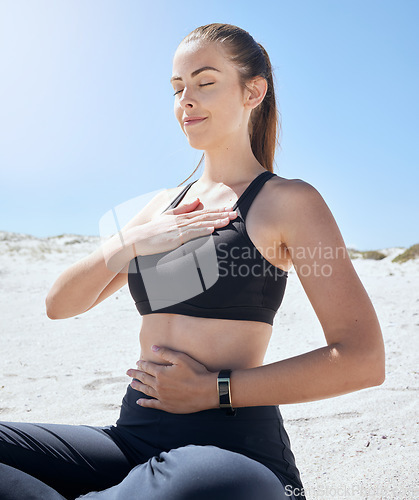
column 224, row 391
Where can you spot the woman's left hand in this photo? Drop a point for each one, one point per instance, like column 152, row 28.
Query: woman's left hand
column 184, row 386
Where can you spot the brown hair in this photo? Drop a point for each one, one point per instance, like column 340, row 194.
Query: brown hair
column 251, row 60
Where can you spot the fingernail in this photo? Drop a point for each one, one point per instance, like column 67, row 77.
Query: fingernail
column 155, row 348
column 139, row 402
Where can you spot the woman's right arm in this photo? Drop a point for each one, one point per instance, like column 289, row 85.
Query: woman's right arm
column 91, row 280
column 97, row 276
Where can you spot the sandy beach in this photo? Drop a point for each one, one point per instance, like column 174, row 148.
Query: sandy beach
column 357, row 446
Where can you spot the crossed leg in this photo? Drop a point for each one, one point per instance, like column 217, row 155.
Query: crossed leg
column 71, row 459
column 57, row 462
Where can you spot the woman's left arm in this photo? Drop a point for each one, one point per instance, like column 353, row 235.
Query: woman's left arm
column 353, row 358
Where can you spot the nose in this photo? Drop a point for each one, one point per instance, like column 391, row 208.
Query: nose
column 187, row 99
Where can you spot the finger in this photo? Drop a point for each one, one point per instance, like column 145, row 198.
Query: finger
column 185, row 207
column 142, row 377
column 202, row 226
column 206, row 215
column 144, row 388
column 215, row 209
column 174, row 357
column 133, row 373
column 190, row 229
column 148, row 367
column 199, row 222
column 221, row 221
column 150, row 403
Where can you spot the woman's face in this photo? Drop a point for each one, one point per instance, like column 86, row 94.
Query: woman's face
column 214, row 95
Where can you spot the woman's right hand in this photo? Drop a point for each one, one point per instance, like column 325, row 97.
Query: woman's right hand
column 175, row 227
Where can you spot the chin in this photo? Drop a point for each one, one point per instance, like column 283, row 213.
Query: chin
column 197, row 144
column 198, row 148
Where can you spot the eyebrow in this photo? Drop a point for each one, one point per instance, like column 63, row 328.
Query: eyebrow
column 195, row 73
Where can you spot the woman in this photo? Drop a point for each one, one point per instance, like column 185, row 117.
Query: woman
column 200, row 418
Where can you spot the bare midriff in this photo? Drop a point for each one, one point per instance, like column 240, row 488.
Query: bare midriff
column 216, row 343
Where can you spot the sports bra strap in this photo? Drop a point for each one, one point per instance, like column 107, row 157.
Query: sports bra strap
column 246, row 199
column 179, row 197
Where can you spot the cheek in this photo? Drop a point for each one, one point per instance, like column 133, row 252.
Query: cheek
column 229, row 113
column 227, row 103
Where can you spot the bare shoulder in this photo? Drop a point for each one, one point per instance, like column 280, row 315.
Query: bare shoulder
column 307, row 225
column 290, row 202
column 293, row 191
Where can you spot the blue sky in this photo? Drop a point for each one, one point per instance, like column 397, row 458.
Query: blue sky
column 86, row 107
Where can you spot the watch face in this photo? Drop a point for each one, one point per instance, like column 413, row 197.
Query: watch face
column 224, row 393
column 223, row 389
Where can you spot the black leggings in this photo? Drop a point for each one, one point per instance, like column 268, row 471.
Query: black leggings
column 151, row 455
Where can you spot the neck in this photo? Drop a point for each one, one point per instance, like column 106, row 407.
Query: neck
column 230, row 164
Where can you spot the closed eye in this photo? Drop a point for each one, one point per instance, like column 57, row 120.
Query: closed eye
column 203, row 85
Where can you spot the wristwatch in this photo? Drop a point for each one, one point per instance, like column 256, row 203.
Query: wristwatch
column 224, row 391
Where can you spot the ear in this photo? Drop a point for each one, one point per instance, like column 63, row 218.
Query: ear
column 256, row 91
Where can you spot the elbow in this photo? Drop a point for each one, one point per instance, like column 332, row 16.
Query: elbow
column 379, row 375
column 363, row 366
column 378, row 362
column 374, row 370
column 52, row 315
column 51, row 308
column 56, row 309
column 366, row 359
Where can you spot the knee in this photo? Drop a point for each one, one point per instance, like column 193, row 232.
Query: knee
column 17, row 484
column 208, row 472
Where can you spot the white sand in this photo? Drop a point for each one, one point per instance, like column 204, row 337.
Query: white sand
column 358, row 446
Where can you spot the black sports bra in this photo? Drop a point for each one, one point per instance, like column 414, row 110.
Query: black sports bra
column 222, row 275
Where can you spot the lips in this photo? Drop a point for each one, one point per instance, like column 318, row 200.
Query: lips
column 190, row 120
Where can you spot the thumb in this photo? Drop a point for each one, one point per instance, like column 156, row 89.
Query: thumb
column 186, row 207
column 166, row 354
